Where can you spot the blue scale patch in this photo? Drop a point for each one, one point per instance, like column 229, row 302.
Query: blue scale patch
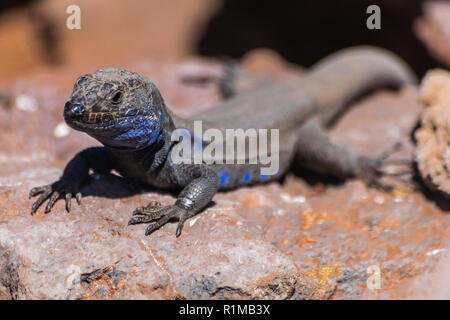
column 145, row 133
column 264, row 177
column 137, row 131
column 224, row 177
column 247, row 177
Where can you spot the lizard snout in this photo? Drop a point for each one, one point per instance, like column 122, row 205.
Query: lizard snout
column 73, row 110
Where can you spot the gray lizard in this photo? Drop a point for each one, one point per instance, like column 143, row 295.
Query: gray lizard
column 127, row 114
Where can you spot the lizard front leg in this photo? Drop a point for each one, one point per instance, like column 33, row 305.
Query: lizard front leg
column 75, row 173
column 192, row 199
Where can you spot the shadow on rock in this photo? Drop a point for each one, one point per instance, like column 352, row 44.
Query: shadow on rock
column 114, row 187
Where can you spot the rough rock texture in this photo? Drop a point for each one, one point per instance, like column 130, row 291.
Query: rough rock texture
column 434, row 29
column 433, row 138
column 290, row 240
column 428, row 285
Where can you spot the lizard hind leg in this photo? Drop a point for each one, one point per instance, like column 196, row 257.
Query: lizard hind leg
column 236, row 80
column 315, row 151
column 232, row 82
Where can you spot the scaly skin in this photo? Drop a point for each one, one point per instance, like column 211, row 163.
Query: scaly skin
column 126, row 113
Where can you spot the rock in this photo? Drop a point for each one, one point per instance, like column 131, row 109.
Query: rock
column 290, row 240
column 432, row 285
column 434, row 29
column 433, row 149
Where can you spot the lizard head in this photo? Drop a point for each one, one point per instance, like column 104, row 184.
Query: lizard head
column 120, row 108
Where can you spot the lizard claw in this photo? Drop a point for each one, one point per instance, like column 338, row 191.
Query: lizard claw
column 53, row 192
column 159, row 215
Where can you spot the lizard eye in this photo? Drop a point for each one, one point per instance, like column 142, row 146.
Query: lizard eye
column 117, row 97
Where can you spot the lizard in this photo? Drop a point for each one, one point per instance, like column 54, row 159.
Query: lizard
column 127, row 114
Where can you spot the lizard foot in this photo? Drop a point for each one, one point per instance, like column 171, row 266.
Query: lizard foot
column 53, row 192
column 373, row 169
column 159, row 215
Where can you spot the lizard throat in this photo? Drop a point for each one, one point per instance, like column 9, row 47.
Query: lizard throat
column 130, row 132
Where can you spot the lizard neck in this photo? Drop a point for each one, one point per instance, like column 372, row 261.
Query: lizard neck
column 156, row 153
column 151, row 157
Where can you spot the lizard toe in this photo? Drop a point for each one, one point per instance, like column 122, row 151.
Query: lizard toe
column 51, row 202
column 43, row 197
column 68, row 201
column 143, row 215
column 158, row 217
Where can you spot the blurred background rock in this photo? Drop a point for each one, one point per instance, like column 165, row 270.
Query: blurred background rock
column 33, row 33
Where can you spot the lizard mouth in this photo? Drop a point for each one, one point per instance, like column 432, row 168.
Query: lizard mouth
column 80, row 119
column 129, row 129
column 97, row 121
column 96, row 117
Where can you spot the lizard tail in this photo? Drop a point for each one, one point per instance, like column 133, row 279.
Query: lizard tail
column 350, row 73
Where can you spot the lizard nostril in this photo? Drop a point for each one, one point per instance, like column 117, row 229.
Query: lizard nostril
column 73, row 111
column 77, row 109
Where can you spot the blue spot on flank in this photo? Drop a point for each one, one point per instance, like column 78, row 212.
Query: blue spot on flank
column 264, row 177
column 224, row 177
column 247, row 177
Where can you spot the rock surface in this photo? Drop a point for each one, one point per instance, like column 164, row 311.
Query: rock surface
column 433, row 138
column 290, row 240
